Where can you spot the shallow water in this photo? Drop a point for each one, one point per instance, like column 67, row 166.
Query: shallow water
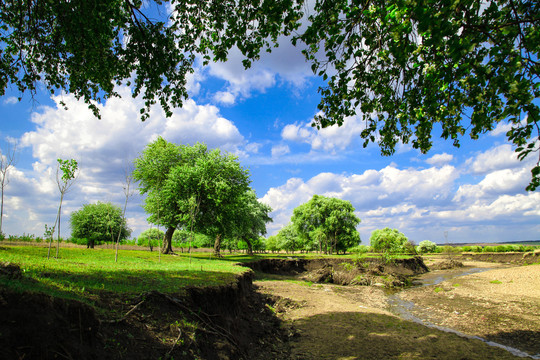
column 406, row 309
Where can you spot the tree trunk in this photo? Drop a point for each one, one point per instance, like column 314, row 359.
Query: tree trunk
column 167, row 241
column 249, row 247
column 217, row 246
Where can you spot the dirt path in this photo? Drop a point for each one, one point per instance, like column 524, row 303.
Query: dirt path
column 350, row 322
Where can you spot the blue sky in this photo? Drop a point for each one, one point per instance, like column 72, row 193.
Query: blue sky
column 263, row 115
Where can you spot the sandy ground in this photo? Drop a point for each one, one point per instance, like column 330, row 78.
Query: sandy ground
column 351, row 322
column 501, row 305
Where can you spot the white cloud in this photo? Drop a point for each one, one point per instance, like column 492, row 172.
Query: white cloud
column 103, row 148
column 328, row 139
column 280, row 150
column 420, row 202
column 11, row 100
column 500, row 157
column 440, row 159
column 285, row 63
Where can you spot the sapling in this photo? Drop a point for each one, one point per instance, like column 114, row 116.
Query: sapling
column 69, row 171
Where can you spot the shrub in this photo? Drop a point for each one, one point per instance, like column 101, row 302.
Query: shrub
column 150, row 238
column 388, row 241
column 426, row 246
column 488, row 249
column 359, row 249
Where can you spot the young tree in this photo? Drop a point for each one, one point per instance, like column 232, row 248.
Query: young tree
column 412, row 69
column 327, row 223
column 150, row 238
column 388, row 241
column 66, row 174
column 176, row 177
column 426, row 246
column 98, row 223
column 7, row 161
column 128, row 192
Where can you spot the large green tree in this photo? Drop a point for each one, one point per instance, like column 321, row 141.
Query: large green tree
column 251, row 219
column 98, row 223
column 416, row 68
column 329, row 224
column 191, row 187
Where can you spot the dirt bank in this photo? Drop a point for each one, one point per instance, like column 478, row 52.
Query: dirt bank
column 226, row 322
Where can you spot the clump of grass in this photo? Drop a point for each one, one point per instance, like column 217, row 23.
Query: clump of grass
column 456, row 285
column 496, row 282
column 438, row 289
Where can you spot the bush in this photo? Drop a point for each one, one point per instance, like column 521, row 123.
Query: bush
column 426, row 246
column 99, row 223
column 388, row 241
column 150, row 238
column 359, row 249
column 488, row 249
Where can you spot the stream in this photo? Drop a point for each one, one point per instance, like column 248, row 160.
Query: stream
column 409, row 311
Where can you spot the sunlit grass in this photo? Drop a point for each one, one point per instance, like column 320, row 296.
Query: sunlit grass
column 83, row 273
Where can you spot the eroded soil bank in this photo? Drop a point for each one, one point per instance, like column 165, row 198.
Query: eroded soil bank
column 226, row 322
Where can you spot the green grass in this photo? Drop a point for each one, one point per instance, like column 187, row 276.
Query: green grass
column 495, row 282
column 82, row 274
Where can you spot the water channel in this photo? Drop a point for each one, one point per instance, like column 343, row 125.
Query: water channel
column 409, row 311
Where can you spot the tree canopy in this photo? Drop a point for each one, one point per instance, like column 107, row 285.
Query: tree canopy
column 191, row 187
column 411, row 69
column 414, row 68
column 328, row 224
column 98, row 223
column 87, row 47
column 388, row 240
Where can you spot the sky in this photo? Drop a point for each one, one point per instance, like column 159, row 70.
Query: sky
column 475, row 193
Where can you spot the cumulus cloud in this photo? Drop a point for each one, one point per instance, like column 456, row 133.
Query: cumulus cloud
column 440, row 159
column 424, row 202
column 500, row 157
column 103, row 148
column 284, row 64
column 280, row 150
column 332, row 138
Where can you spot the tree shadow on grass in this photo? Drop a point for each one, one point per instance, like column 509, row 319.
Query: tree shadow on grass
column 354, row 335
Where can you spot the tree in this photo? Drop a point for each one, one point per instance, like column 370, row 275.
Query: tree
column 329, row 224
column 426, row 246
column 251, row 219
column 7, row 161
column 175, row 177
column 99, row 223
column 87, row 47
column 150, row 238
column 412, row 67
column 66, row 174
column 287, row 238
column 409, row 67
column 128, row 192
column 388, row 241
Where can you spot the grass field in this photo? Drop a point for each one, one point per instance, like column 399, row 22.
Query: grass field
column 82, row 274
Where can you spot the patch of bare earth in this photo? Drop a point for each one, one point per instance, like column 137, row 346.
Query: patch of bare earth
column 327, row 321
column 501, row 305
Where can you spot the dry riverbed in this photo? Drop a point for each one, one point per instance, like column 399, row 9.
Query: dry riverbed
column 500, row 305
column 327, row 321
